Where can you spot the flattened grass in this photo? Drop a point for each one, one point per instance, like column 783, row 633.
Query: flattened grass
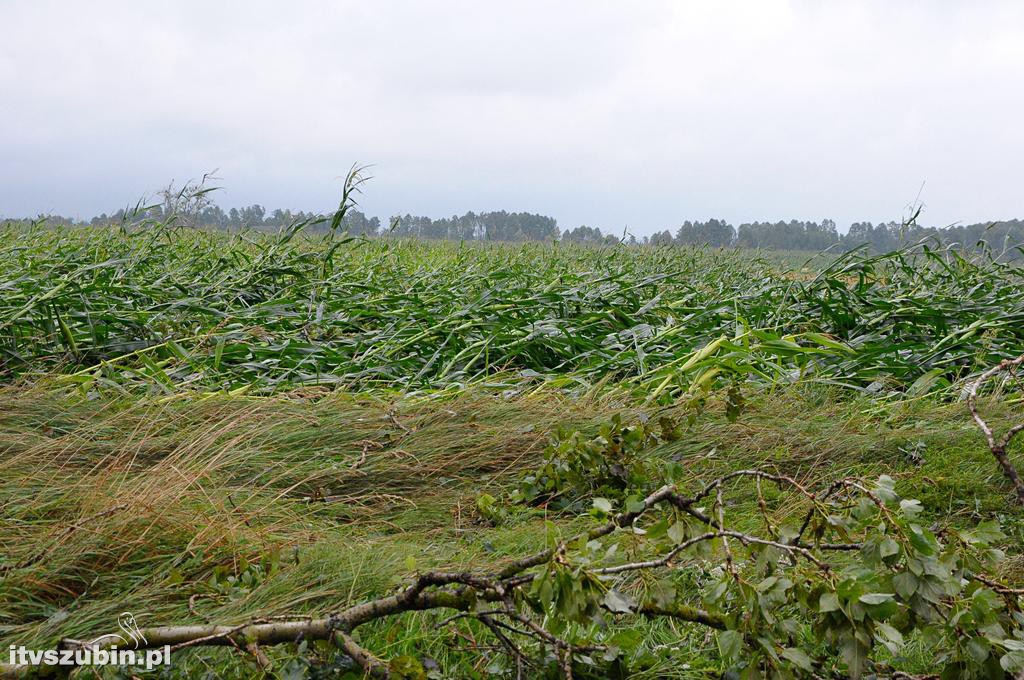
column 288, row 490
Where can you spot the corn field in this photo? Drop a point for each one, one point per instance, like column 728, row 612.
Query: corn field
column 165, row 308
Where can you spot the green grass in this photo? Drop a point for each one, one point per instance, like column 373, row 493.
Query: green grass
column 210, row 487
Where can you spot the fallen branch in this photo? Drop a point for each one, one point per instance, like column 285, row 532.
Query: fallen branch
column 998, row 446
column 460, row 591
column 504, row 600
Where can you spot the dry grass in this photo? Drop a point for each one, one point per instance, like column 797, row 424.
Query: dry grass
column 149, row 505
column 97, row 494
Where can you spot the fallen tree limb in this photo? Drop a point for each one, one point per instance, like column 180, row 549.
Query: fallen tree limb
column 518, row 602
column 996, row 445
column 462, row 591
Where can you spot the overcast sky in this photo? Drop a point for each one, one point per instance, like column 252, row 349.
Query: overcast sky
column 607, row 114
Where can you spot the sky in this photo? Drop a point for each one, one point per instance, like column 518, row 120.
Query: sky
column 618, row 115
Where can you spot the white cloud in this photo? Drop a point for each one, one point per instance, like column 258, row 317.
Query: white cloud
column 597, row 112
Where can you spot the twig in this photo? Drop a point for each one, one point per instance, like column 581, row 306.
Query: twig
column 997, row 586
column 373, row 666
column 258, row 654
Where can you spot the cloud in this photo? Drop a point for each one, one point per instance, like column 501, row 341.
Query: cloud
column 595, row 112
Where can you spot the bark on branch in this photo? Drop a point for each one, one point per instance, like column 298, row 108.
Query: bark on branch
column 998, row 445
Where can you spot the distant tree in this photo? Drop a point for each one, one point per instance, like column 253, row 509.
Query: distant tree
column 713, row 232
column 490, row 226
column 585, row 234
column 253, row 216
column 792, row 235
column 661, row 238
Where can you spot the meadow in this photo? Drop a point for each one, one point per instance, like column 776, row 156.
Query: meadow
column 251, row 430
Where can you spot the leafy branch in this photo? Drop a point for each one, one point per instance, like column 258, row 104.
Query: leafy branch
column 859, row 570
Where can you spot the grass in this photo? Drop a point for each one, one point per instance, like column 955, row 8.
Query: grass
column 232, row 486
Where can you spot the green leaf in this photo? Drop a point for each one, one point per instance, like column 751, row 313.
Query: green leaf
column 854, row 654
column 888, row 548
column 828, row 602
column 730, row 644
column 926, row 381
column 618, row 602
column 658, row 529
column 1012, row 662
column 890, row 634
column 798, row 658
column 979, row 649
column 911, row 508
column 875, row 598
column 923, row 540
column 603, row 505
column 905, row 584
column 635, row 505
column 407, row 667
column 627, row 640
column 984, row 534
column 885, row 489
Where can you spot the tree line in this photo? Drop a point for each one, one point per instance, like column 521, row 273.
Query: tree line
column 485, row 226
column 815, row 236
column 502, row 225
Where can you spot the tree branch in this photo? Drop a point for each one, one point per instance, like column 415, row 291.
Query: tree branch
column 998, row 445
column 507, row 587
